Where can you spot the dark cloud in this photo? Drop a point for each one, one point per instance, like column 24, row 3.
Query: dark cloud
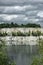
column 19, row 2
column 21, row 11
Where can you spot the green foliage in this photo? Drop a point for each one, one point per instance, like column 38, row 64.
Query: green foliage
column 20, row 33
column 35, row 62
column 39, row 60
column 13, row 63
column 28, row 33
column 17, row 25
column 3, row 56
column 41, row 46
column 4, row 59
column 36, row 33
column 14, row 34
column 3, row 34
column 32, row 25
column 42, row 34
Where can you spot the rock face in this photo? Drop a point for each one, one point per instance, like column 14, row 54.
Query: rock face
column 20, row 29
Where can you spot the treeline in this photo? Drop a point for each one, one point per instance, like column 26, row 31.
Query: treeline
column 7, row 25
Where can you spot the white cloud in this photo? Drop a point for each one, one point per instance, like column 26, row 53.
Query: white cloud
column 18, row 19
column 8, row 17
column 1, row 22
column 31, row 13
column 26, row 19
column 40, row 14
column 38, row 0
column 12, row 9
column 33, row 20
column 12, row 17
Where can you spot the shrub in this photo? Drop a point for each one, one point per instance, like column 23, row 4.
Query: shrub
column 3, row 34
column 36, row 33
column 14, row 34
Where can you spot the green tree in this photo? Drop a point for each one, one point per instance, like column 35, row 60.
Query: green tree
column 4, row 59
column 39, row 60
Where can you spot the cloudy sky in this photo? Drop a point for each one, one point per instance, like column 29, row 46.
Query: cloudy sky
column 21, row 11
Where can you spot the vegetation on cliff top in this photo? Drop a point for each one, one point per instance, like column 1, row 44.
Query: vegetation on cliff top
column 7, row 25
column 19, row 33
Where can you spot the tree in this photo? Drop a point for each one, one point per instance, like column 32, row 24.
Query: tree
column 39, row 60
column 7, row 25
column 4, row 60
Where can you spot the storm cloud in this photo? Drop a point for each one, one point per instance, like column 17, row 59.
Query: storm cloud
column 21, row 11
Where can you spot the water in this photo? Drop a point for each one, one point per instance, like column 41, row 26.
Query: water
column 22, row 54
column 21, row 49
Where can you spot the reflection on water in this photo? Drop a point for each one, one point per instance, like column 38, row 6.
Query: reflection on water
column 21, row 49
column 22, row 54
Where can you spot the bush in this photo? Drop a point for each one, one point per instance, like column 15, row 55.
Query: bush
column 36, row 33
column 39, row 60
column 20, row 34
column 3, row 34
column 14, row 34
column 4, row 59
